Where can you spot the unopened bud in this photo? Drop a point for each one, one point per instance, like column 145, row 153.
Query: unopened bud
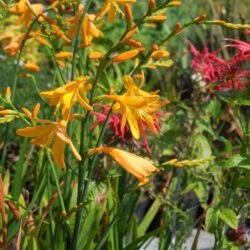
column 151, row 4
column 8, row 93
column 36, row 110
column 26, row 111
column 200, row 18
column 128, row 13
column 177, row 27
column 154, row 47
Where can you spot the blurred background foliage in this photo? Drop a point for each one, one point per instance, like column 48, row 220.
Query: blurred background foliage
column 202, row 126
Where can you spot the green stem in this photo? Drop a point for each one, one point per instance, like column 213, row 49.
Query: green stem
column 56, row 180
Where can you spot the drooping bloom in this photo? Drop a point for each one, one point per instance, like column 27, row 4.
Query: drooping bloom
column 112, row 8
column 52, row 134
column 65, row 95
column 89, row 30
column 137, row 107
column 26, row 12
column 15, row 44
column 135, row 165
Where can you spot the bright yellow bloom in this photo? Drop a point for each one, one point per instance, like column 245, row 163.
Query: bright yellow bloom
column 53, row 134
column 66, row 95
column 26, row 15
column 137, row 107
column 137, row 166
column 112, row 7
column 89, row 30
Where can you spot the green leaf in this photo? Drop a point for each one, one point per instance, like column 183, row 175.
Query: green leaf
column 211, row 218
column 233, row 161
column 204, row 150
column 243, row 102
column 149, row 217
column 229, row 217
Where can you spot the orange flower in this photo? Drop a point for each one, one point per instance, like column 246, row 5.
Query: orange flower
column 26, row 15
column 64, row 96
column 89, row 30
column 14, row 45
column 112, row 7
column 135, row 165
column 52, row 134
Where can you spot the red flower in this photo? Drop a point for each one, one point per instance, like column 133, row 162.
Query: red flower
column 227, row 74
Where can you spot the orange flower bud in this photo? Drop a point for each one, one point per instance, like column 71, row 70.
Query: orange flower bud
column 125, row 56
column 95, row 55
column 8, row 93
column 200, row 18
column 32, row 67
column 60, row 63
column 177, row 27
column 174, row 4
column 36, row 110
column 134, row 43
column 159, row 18
column 154, row 47
column 42, row 41
column 159, row 54
column 7, row 112
column 151, row 4
column 63, row 54
column 128, row 13
column 130, row 33
column 26, row 111
column 150, row 25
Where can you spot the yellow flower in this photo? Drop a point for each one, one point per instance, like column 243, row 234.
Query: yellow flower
column 26, row 15
column 65, row 96
column 137, row 107
column 52, row 134
column 88, row 31
column 112, row 7
column 135, row 165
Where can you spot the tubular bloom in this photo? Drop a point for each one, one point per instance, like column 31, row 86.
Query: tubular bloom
column 52, row 134
column 112, row 7
column 135, row 165
column 65, row 96
column 137, row 107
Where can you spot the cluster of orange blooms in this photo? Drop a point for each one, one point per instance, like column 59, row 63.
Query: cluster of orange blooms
column 135, row 105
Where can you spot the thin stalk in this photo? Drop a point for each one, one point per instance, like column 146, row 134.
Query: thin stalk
column 56, row 180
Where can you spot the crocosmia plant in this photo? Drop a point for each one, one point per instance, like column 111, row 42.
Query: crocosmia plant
column 124, row 124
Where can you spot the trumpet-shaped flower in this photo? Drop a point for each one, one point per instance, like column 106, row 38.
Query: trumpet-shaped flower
column 53, row 134
column 89, row 30
column 66, row 95
column 112, row 7
column 135, row 165
column 26, row 11
column 137, row 107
